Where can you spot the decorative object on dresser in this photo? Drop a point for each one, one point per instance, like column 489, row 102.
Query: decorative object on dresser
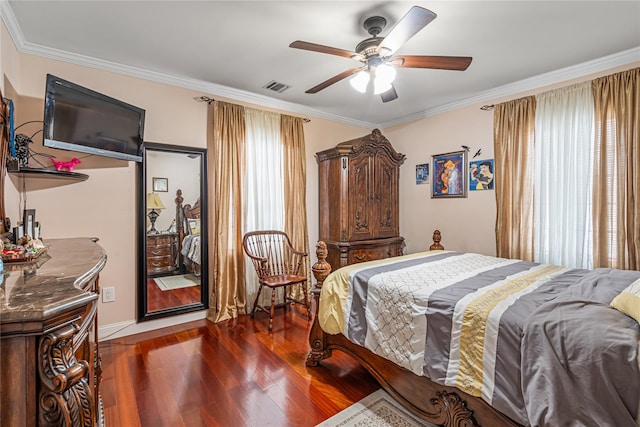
column 50, row 362
column 153, row 203
column 162, row 250
column 359, row 190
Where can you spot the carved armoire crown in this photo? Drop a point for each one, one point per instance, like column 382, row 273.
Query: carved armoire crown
column 359, row 182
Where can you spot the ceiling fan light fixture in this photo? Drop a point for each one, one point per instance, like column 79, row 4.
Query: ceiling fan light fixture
column 385, row 73
column 360, row 81
column 380, row 86
column 384, row 76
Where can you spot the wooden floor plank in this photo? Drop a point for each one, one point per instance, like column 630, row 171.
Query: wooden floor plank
column 231, row 373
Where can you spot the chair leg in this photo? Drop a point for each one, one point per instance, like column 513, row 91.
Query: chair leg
column 273, row 308
column 255, row 303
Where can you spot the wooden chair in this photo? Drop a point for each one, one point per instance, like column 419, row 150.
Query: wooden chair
column 277, row 265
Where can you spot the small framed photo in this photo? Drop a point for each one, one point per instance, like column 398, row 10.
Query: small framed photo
column 422, row 173
column 449, row 175
column 29, row 221
column 160, row 184
column 481, row 175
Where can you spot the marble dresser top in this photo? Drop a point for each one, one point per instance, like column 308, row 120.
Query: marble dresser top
column 32, row 293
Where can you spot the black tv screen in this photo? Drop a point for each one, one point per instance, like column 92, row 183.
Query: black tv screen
column 80, row 119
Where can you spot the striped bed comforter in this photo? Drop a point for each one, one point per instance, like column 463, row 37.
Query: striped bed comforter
column 191, row 248
column 538, row 342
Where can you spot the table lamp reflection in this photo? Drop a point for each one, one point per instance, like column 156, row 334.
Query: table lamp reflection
column 153, row 203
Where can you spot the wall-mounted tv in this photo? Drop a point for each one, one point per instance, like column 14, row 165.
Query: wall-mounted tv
column 80, row 119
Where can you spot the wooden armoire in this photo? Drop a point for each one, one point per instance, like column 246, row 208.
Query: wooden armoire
column 359, row 214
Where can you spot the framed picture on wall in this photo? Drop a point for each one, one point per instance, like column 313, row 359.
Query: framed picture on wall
column 160, row 184
column 449, row 175
column 481, row 175
column 422, row 173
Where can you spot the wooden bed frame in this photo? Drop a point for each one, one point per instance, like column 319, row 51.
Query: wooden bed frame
column 184, row 213
column 435, row 403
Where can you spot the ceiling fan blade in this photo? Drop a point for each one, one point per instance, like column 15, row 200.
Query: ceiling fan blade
column 389, row 95
column 458, row 63
column 326, row 49
column 334, row 79
column 415, row 20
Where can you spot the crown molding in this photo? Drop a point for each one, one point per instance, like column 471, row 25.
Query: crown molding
column 575, row 71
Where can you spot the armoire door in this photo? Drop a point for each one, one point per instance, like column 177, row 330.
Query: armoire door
column 386, row 196
column 361, row 197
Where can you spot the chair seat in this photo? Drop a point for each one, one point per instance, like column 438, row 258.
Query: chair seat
column 282, row 280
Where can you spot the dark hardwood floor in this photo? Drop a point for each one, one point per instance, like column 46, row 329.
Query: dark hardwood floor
column 158, row 299
column 233, row 373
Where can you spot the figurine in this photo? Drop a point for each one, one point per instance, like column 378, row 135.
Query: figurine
column 25, row 241
column 66, row 165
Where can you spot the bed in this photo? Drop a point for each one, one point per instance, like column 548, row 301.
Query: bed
column 495, row 342
column 188, row 229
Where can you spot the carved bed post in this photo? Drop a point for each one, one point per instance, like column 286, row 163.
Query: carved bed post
column 436, row 242
column 321, row 270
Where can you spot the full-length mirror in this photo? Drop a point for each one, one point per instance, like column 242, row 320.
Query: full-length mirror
column 172, row 231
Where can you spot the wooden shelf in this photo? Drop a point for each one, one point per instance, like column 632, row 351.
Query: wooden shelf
column 47, row 173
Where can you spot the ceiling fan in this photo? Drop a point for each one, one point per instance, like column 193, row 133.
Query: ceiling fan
column 376, row 53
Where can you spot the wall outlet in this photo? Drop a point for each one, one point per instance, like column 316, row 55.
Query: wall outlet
column 108, row 294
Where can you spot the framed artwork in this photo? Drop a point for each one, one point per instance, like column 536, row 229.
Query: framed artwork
column 161, row 184
column 449, row 175
column 481, row 175
column 29, row 221
column 422, row 173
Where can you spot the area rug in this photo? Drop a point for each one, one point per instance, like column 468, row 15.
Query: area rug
column 177, row 282
column 376, row 410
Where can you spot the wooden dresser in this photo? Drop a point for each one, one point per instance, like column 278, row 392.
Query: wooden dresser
column 162, row 252
column 50, row 362
column 359, row 214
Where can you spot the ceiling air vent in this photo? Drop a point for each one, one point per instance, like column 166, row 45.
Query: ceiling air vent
column 276, row 86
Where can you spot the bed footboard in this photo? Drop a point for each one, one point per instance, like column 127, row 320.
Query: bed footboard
column 435, row 403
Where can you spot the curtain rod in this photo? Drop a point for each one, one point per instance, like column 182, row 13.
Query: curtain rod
column 487, row 107
column 209, row 100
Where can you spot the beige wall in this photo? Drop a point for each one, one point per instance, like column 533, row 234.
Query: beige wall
column 466, row 224
column 105, row 204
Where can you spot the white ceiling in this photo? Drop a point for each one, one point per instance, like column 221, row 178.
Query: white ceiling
column 233, row 48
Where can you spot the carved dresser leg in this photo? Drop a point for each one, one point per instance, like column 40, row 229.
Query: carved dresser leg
column 65, row 398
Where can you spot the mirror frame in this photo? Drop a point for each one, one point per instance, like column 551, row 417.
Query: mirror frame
column 143, row 314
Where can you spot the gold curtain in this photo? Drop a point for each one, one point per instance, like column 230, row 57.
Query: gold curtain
column 295, row 188
column 616, row 198
column 513, row 139
column 227, row 296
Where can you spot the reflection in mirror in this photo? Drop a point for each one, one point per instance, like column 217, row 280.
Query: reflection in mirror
column 172, row 236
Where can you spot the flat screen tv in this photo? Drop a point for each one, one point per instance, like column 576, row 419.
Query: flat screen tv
column 82, row 120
